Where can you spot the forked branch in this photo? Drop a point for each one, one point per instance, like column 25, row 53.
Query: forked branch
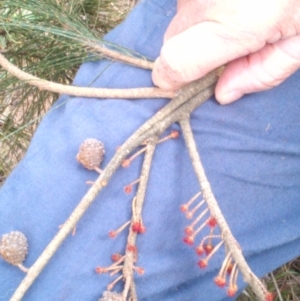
column 187, row 100
column 179, row 109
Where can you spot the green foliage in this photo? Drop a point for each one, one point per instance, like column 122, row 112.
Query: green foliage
column 46, row 38
column 284, row 283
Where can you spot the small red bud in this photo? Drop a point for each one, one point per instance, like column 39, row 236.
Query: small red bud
column 136, row 227
column 200, row 251
column 208, row 248
column 126, row 163
column 202, row 263
column 189, row 240
column 184, row 208
column 132, row 248
column 219, row 281
column 269, row 296
column 174, row 134
column 232, row 290
column 112, row 234
column 128, row 189
column 189, row 230
column 115, row 257
column 100, row 270
column 139, row 270
column 212, row 222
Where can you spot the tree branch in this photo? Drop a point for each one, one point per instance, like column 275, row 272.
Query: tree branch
column 215, row 210
column 83, row 91
column 179, row 109
column 137, row 218
column 141, row 63
column 158, row 123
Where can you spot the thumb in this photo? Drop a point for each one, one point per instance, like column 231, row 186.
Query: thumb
column 199, row 49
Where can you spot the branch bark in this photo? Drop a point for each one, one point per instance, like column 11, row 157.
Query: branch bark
column 83, row 91
column 141, row 63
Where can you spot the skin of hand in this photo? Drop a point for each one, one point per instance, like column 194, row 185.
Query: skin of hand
column 258, row 41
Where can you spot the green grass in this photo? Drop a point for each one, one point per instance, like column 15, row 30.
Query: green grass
column 284, row 282
column 45, row 38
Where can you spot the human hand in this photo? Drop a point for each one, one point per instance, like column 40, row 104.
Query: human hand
column 258, row 41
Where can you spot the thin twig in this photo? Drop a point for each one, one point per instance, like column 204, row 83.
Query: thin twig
column 190, row 97
column 231, row 243
column 115, row 55
column 22, row 268
column 83, row 91
column 137, row 216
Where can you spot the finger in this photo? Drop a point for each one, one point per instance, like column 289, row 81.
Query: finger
column 181, row 3
column 188, row 14
column 198, row 50
column 259, row 71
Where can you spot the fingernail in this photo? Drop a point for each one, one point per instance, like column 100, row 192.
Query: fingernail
column 161, row 79
column 227, row 97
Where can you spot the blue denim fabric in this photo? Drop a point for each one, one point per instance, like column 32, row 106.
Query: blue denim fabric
column 250, row 150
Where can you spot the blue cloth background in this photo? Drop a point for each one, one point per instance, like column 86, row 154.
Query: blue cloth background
column 250, row 149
